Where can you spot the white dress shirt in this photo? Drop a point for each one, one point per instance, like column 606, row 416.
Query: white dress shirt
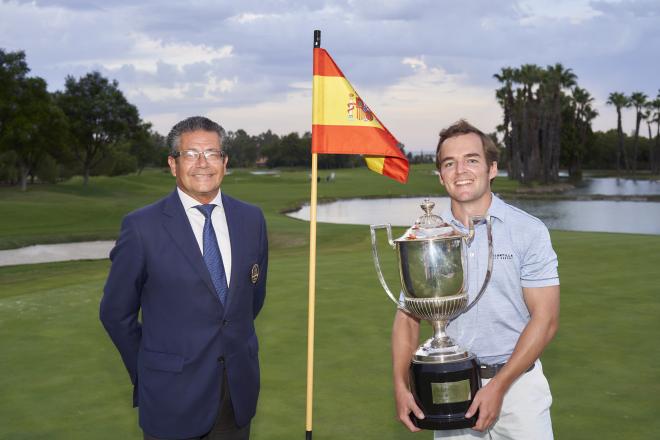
column 219, row 220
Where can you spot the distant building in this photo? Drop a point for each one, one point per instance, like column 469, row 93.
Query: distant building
column 261, row 162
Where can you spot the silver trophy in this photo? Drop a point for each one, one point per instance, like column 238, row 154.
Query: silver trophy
column 432, row 267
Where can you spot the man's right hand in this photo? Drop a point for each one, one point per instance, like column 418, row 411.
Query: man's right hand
column 405, row 404
column 405, row 337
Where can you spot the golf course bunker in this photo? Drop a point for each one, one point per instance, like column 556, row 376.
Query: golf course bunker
column 48, row 253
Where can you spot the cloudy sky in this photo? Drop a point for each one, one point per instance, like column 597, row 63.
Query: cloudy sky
column 419, row 65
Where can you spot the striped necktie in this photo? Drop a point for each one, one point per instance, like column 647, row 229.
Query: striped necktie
column 212, row 255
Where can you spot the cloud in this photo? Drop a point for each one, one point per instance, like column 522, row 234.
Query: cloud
column 417, row 63
column 571, row 11
column 146, row 53
column 430, row 98
column 247, row 17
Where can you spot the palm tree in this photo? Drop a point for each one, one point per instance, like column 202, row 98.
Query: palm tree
column 530, row 75
column 584, row 113
column 654, row 149
column 619, row 101
column 647, row 115
column 637, row 100
column 556, row 79
column 535, row 106
column 504, row 97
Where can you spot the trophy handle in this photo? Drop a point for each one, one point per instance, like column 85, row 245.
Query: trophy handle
column 489, row 227
column 374, row 249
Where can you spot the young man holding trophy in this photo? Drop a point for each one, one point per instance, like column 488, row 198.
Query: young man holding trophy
column 506, row 328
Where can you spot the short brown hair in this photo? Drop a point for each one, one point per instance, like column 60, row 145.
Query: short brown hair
column 464, row 127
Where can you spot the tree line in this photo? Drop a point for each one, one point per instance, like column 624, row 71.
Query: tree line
column 270, row 150
column 547, row 125
column 90, row 128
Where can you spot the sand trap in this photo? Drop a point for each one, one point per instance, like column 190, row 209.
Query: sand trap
column 48, row 253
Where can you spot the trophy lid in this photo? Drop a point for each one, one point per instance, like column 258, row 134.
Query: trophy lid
column 429, row 225
column 429, row 220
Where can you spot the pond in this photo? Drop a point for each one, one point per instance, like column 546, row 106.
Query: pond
column 612, row 186
column 596, row 215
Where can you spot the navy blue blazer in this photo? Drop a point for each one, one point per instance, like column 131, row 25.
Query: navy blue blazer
column 177, row 350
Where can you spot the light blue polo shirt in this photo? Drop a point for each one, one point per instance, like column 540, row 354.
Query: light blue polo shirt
column 522, row 257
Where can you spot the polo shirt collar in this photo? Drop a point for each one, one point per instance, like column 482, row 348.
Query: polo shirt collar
column 496, row 210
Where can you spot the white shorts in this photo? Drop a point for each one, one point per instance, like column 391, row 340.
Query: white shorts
column 525, row 412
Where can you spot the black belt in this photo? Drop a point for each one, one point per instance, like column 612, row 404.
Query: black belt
column 489, row 371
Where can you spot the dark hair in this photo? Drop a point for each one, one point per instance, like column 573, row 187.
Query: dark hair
column 464, row 127
column 194, row 123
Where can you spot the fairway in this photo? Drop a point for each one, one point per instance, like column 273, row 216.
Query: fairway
column 63, row 379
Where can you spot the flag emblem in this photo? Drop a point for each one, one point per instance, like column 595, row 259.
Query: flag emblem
column 357, row 109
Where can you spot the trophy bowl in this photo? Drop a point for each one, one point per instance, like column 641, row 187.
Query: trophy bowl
column 432, row 265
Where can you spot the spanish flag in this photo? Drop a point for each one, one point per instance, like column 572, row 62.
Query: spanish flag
column 343, row 124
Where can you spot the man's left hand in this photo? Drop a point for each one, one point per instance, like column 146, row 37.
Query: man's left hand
column 488, row 401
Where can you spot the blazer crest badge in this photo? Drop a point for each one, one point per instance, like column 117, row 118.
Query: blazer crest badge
column 254, row 273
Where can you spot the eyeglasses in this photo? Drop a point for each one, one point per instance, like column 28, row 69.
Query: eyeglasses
column 193, row 155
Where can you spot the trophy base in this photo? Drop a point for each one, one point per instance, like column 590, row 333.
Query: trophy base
column 440, row 423
column 444, row 391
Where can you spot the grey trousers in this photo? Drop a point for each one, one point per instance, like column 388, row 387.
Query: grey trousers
column 224, row 427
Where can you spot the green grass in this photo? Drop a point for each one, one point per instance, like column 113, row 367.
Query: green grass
column 71, row 212
column 63, row 379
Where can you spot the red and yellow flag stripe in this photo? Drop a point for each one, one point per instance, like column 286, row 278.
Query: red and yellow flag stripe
column 343, row 124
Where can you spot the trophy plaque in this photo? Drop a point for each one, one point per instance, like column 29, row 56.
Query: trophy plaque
column 433, row 271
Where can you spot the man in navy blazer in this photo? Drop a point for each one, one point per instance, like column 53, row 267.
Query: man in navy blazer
column 184, row 288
